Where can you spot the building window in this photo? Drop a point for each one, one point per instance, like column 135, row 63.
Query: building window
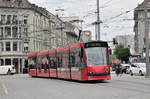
column 1, row 46
column 26, row 47
column 15, row 31
column 3, row 19
column 8, row 62
column 20, row 46
column 1, row 32
column 20, row 3
column 26, row 31
column 8, row 19
column 25, row 19
column 8, row 46
column 8, row 32
column 2, row 62
column 14, row 20
column 14, row 46
column 20, row 32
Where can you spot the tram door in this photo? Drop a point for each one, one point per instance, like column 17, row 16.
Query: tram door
column 53, row 65
column 75, row 63
column 42, row 66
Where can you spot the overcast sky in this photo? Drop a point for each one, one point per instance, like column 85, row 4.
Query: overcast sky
column 109, row 10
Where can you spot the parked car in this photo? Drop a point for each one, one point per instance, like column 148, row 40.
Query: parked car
column 138, row 68
column 7, row 69
column 125, row 68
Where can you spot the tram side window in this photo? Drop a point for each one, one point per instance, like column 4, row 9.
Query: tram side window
column 75, row 58
column 44, row 62
column 52, row 61
column 72, row 59
column 65, row 59
column 77, row 55
column 32, row 62
column 39, row 63
column 59, row 59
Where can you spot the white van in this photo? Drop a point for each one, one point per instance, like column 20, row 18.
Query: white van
column 7, row 69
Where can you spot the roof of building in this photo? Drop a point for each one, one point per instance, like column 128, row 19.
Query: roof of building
column 23, row 4
column 15, row 4
column 142, row 4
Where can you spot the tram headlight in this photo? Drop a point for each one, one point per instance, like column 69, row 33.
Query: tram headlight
column 90, row 72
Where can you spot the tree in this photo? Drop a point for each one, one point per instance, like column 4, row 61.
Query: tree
column 122, row 53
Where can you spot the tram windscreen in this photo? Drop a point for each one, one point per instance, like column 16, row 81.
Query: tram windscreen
column 97, row 56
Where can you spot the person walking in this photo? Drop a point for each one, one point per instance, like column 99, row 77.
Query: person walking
column 9, row 72
column 118, row 70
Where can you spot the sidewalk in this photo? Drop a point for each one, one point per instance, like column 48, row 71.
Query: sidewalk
column 128, row 77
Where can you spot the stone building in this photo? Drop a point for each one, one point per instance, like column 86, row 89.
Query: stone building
column 71, row 37
column 139, row 27
column 86, row 36
column 127, row 41
column 73, row 25
column 26, row 28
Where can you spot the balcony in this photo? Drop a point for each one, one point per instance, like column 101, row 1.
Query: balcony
column 12, row 53
column 8, row 23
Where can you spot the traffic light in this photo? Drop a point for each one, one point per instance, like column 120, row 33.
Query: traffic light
column 114, row 41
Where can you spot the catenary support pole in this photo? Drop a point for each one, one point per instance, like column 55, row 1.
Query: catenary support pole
column 98, row 21
column 147, row 40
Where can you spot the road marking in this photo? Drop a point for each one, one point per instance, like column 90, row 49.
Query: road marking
column 4, row 88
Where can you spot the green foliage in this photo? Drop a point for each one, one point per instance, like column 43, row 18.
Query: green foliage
column 112, row 57
column 122, row 53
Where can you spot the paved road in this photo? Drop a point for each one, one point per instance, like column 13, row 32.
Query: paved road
column 25, row 87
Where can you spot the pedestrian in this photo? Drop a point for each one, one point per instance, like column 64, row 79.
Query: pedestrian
column 118, row 70
column 124, row 69
column 9, row 72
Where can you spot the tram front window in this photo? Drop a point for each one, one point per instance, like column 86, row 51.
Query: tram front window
column 96, row 56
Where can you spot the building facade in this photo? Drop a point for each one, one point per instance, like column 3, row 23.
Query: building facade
column 127, row 41
column 86, row 36
column 26, row 28
column 139, row 27
column 71, row 30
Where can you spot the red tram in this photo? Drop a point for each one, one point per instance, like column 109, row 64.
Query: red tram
column 81, row 61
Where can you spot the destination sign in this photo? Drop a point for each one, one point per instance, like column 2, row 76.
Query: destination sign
column 96, row 44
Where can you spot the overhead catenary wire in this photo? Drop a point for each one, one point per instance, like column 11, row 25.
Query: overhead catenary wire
column 114, row 17
column 111, row 18
column 105, row 4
